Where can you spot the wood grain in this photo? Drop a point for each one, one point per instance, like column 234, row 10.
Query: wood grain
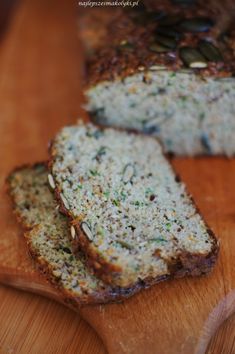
column 40, row 91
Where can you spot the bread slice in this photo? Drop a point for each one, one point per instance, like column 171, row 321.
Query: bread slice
column 165, row 73
column 48, row 241
column 132, row 216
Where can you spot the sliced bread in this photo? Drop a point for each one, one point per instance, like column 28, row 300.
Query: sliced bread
column 132, row 217
column 165, row 73
column 48, row 241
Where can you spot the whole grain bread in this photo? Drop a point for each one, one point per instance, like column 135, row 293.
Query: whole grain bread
column 46, row 233
column 129, row 213
column 167, row 74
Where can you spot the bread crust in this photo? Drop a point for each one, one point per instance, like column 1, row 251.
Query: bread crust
column 186, row 264
column 110, row 62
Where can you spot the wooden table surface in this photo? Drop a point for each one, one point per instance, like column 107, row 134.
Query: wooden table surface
column 40, row 49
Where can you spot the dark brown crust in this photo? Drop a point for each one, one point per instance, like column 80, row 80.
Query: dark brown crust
column 186, row 264
column 93, row 25
column 110, row 63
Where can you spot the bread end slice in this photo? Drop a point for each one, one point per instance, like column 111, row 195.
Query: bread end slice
column 46, row 232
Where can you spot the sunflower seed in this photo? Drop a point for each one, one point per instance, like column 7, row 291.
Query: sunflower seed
column 158, row 48
column 51, row 181
column 192, row 58
column 185, row 71
column 209, row 51
column 157, row 67
column 57, row 273
column 72, row 232
column 167, row 42
column 66, row 205
column 86, row 229
column 169, row 32
column 128, row 173
column 197, row 24
column 141, row 68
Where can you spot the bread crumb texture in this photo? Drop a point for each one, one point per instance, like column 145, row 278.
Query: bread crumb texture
column 122, row 193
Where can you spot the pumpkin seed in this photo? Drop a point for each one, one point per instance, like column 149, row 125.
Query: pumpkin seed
column 171, row 20
column 156, row 15
column 125, row 244
column 169, row 32
column 197, row 24
column 224, row 38
column 146, row 17
column 183, row 2
column 192, row 58
column 140, row 7
column 158, row 48
column 127, row 46
column 209, row 51
column 86, row 229
column 167, row 42
column 128, row 173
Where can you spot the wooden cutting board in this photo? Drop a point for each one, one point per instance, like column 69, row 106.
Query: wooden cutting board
column 40, row 90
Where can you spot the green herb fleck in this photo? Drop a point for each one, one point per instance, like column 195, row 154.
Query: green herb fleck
column 183, row 98
column 100, row 231
column 101, row 152
column 123, row 195
column 202, row 116
column 148, row 192
column 125, row 245
column 116, row 202
column 94, row 173
column 168, row 226
column 106, row 194
column 157, row 239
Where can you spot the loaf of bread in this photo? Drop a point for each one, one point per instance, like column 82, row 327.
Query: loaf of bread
column 129, row 213
column 48, row 241
column 93, row 26
column 165, row 72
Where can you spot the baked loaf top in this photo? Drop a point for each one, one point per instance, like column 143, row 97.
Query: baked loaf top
column 170, row 37
column 132, row 216
column 48, row 241
column 93, row 26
